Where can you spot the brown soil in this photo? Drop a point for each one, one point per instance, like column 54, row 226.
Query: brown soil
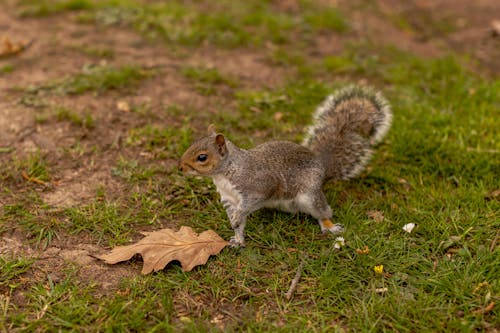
column 75, row 178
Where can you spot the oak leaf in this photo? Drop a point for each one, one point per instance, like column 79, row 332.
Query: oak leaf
column 160, row 247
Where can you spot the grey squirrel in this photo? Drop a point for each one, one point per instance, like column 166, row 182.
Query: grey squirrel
column 289, row 176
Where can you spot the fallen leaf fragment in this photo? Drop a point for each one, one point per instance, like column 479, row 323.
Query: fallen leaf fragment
column 160, row 247
column 365, row 250
column 376, row 215
column 10, row 48
column 494, row 242
column 125, row 292
column 493, row 195
column 381, row 290
column 485, row 310
column 278, row 116
column 218, row 320
column 32, row 179
column 407, row 186
column 402, row 181
column 409, row 227
column 123, row 106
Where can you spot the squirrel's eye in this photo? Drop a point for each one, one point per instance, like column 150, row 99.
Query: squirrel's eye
column 202, row 157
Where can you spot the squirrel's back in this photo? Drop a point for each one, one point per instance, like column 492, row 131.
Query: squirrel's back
column 346, row 126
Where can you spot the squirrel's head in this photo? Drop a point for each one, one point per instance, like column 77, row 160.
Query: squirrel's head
column 205, row 155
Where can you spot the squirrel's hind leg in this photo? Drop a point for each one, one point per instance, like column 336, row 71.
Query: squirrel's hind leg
column 328, row 226
column 315, row 204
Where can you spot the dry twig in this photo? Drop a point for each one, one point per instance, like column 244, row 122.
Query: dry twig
column 494, row 242
column 295, row 281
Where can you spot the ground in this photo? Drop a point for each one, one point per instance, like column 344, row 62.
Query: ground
column 97, row 109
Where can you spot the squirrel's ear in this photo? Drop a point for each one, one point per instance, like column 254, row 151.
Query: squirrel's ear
column 220, row 141
column 211, row 129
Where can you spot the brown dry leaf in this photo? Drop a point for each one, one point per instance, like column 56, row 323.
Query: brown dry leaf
column 485, row 310
column 9, row 48
column 363, row 251
column 160, row 247
column 493, row 195
column 402, row 181
column 405, row 183
column 376, row 215
column 123, row 106
column 278, row 116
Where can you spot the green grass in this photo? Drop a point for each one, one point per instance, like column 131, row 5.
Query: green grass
column 6, row 69
column 437, row 168
column 92, row 78
column 35, row 166
column 35, row 218
column 84, row 121
column 208, row 81
column 51, row 7
column 225, row 23
column 324, row 19
column 161, row 141
column 277, row 112
column 103, row 78
column 11, row 268
column 104, row 220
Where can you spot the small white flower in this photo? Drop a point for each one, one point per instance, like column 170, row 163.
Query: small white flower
column 339, row 242
column 409, row 227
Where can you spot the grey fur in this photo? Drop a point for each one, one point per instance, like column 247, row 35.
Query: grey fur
column 346, row 126
column 288, row 176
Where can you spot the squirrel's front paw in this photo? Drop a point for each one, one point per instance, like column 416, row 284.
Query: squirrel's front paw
column 329, row 226
column 236, row 242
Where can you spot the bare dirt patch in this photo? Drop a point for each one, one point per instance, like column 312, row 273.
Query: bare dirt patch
column 463, row 26
column 250, row 68
column 68, row 255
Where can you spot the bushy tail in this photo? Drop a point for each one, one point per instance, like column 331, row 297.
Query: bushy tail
column 346, row 126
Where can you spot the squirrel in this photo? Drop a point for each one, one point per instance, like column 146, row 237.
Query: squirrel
column 289, row 176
